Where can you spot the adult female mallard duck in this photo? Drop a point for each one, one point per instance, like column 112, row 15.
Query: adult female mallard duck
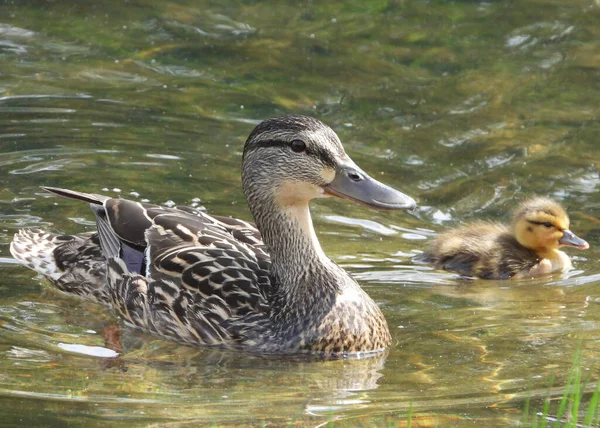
column 494, row 251
column 210, row 280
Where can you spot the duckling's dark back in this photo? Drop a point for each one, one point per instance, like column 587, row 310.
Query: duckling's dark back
column 485, row 250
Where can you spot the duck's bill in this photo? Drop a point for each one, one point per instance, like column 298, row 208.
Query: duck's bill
column 354, row 184
column 571, row 240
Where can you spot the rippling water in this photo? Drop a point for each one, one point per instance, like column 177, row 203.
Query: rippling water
column 467, row 106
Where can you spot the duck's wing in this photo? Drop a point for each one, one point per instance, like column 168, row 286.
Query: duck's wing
column 198, row 280
column 241, row 230
column 179, row 271
column 205, row 259
column 122, row 225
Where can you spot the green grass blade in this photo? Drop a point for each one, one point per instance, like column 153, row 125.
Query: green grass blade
column 577, row 387
column 545, row 411
column 571, row 383
column 592, row 409
column 546, row 407
column 525, row 415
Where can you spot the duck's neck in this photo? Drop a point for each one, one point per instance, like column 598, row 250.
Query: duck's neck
column 302, row 275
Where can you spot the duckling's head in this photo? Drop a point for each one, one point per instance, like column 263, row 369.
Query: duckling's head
column 292, row 159
column 542, row 225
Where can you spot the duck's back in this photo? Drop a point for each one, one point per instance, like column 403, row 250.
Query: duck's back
column 485, row 250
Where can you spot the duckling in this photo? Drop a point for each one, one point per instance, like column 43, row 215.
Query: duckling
column 209, row 280
column 530, row 247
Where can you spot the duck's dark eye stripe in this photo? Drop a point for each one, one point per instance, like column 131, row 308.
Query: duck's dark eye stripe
column 541, row 223
column 269, row 143
column 323, row 155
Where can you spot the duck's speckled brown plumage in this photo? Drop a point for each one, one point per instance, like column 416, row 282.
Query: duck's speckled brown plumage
column 495, row 251
column 209, row 280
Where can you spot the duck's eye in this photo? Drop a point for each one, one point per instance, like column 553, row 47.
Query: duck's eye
column 298, row 146
column 542, row 223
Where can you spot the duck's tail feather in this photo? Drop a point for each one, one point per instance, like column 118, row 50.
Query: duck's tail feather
column 74, row 263
column 35, row 249
column 92, row 198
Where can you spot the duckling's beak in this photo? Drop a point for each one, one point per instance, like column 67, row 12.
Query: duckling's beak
column 354, row 184
column 571, row 240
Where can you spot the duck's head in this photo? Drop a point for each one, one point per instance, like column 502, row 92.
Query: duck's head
column 292, row 159
column 542, row 225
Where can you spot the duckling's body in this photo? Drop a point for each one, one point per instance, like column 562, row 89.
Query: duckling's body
column 529, row 247
column 209, row 280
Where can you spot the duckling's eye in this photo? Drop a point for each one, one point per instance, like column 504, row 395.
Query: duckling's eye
column 298, row 146
column 542, row 223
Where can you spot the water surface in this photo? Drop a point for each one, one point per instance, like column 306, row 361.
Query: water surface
column 468, row 106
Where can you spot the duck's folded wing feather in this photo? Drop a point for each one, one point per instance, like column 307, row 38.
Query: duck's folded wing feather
column 130, row 220
column 206, row 260
column 241, row 230
column 109, row 242
column 196, row 276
